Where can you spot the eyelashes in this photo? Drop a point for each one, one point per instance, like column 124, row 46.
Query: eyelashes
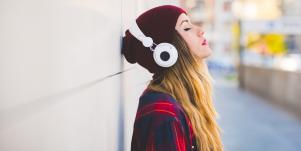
column 186, row 29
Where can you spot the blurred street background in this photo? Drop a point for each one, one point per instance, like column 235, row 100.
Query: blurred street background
column 64, row 85
column 250, row 122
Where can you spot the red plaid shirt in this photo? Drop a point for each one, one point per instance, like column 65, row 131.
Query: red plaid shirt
column 161, row 125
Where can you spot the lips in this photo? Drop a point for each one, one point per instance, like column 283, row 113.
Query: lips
column 204, row 42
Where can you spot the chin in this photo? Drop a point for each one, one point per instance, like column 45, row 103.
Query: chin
column 206, row 56
column 208, row 53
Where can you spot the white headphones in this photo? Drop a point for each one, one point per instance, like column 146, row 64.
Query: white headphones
column 165, row 54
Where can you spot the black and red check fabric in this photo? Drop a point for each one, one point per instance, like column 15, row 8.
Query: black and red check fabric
column 161, row 125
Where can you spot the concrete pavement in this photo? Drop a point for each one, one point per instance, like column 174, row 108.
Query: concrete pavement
column 250, row 123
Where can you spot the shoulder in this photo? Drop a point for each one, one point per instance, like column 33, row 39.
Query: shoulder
column 159, row 115
column 151, row 97
column 157, row 108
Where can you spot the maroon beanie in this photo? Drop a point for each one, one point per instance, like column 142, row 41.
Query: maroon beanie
column 159, row 24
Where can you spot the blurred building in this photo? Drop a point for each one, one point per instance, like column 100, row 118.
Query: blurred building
column 268, row 42
column 269, row 31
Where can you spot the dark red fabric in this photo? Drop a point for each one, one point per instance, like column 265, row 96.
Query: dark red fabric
column 157, row 23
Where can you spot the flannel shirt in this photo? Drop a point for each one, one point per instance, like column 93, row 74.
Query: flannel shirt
column 161, row 125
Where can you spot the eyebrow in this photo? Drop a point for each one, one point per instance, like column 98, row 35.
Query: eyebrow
column 183, row 21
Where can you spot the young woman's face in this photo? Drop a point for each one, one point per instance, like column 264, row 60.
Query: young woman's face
column 193, row 36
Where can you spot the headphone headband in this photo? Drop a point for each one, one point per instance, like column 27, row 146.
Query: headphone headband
column 165, row 54
column 136, row 32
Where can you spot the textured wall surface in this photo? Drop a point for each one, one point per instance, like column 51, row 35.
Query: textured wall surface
column 52, row 56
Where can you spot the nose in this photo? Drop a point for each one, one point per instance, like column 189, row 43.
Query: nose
column 200, row 32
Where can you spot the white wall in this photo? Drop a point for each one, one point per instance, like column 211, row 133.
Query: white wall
column 50, row 52
column 53, row 58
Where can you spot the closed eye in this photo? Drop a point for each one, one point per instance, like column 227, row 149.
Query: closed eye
column 186, row 29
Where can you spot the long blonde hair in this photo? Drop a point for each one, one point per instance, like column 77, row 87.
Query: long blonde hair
column 190, row 83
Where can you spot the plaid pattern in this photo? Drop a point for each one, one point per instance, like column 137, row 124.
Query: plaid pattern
column 161, row 125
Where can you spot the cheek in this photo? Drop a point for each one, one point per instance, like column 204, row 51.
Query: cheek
column 189, row 41
column 199, row 50
column 195, row 46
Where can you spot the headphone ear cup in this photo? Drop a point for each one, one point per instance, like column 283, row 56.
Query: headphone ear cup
column 165, row 54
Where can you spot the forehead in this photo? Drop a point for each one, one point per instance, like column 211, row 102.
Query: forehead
column 182, row 18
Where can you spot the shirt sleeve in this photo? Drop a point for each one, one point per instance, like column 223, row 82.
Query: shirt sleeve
column 168, row 136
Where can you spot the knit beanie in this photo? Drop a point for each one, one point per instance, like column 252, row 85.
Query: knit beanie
column 159, row 24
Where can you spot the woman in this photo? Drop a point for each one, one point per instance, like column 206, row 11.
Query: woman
column 175, row 111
